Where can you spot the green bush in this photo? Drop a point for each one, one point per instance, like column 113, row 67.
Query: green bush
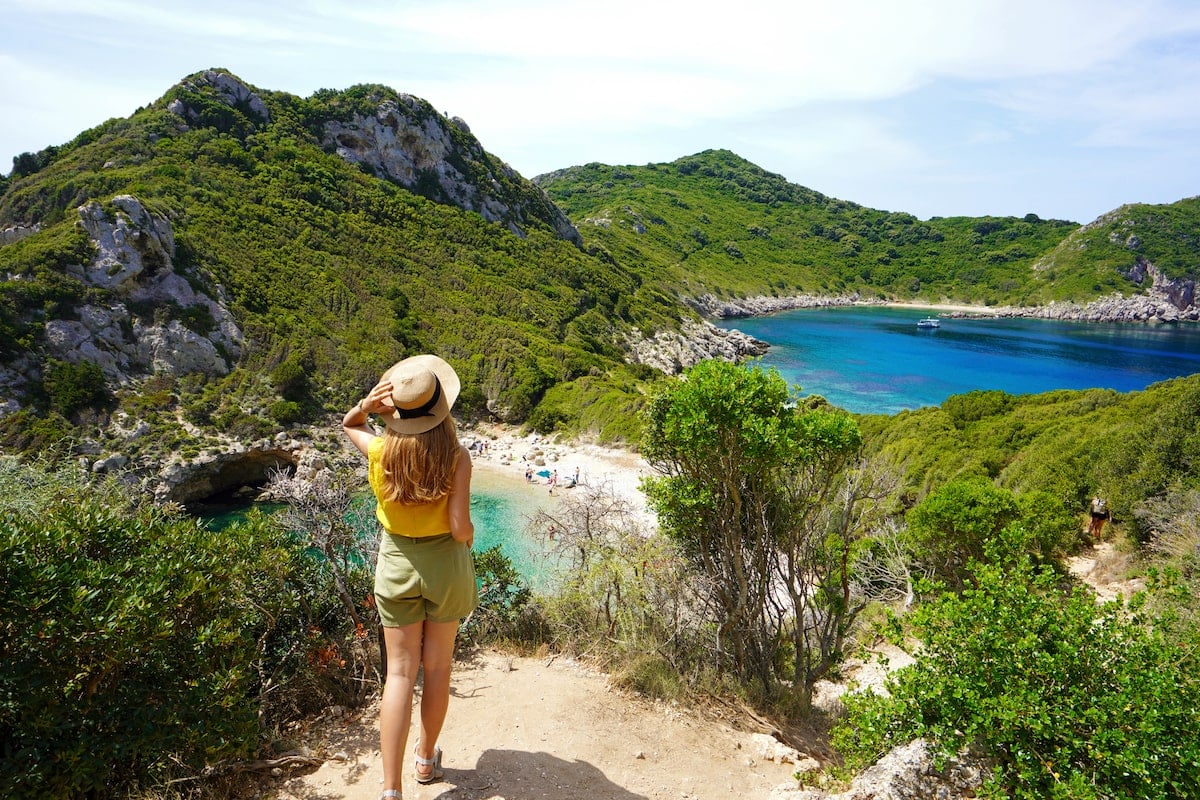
column 70, row 388
column 285, row 412
column 1072, row 699
column 139, row 645
column 503, row 598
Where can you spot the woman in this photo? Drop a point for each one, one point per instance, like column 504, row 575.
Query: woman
column 424, row 578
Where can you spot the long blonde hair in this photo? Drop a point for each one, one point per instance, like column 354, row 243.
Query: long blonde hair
column 419, row 467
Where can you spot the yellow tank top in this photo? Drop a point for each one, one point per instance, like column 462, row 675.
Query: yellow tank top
column 401, row 519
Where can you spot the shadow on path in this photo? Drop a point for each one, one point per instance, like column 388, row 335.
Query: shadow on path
column 520, row 775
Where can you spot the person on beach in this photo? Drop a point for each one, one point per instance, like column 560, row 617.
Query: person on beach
column 424, row 576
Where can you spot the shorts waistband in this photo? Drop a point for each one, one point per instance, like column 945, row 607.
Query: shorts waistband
column 437, row 537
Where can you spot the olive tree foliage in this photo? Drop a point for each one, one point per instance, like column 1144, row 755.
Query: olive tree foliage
column 770, row 507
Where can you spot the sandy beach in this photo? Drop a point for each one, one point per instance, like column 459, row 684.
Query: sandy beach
column 504, row 452
column 948, row 307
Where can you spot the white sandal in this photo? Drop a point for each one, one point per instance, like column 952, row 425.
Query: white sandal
column 435, row 766
column 391, row 794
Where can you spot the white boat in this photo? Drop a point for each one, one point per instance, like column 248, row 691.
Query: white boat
column 929, row 322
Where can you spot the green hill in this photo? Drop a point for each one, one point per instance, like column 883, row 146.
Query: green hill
column 715, row 223
column 332, row 268
column 342, row 231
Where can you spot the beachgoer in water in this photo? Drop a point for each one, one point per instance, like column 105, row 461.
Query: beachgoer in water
column 424, row 577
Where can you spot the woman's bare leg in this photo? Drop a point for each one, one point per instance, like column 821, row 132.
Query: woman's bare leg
column 403, row 647
column 437, row 656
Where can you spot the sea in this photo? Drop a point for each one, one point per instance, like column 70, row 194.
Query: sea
column 875, row 360
column 503, row 506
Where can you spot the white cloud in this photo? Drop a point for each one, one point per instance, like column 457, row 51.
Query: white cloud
column 816, row 86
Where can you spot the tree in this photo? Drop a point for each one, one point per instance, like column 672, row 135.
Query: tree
column 953, row 524
column 758, row 495
column 72, row 387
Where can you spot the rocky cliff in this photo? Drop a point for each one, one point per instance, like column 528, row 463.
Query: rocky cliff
column 674, row 351
column 406, row 141
column 144, row 317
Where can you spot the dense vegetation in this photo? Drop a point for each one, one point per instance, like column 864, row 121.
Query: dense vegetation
column 141, row 646
column 333, row 273
column 715, row 223
column 1016, row 662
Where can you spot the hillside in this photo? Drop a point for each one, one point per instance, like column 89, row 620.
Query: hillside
column 716, row 224
column 228, row 261
column 296, row 248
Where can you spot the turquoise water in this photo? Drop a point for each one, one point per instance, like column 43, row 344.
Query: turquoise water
column 875, row 360
column 501, row 508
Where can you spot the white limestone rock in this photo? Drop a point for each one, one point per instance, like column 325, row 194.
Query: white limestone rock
column 134, row 260
column 409, row 142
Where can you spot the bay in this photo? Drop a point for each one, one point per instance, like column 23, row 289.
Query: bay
column 501, row 508
column 875, row 360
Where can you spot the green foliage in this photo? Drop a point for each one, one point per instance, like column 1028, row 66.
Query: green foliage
column 71, row 387
column 140, row 645
column 1072, row 699
column 974, row 406
column 285, row 412
column 713, row 221
column 954, row 524
column 1066, row 444
column 503, row 600
column 319, row 258
column 746, row 487
column 1112, row 253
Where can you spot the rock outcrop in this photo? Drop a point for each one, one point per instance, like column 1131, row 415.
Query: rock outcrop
column 242, row 468
column 906, row 773
column 134, row 259
column 228, row 89
column 151, row 319
column 17, row 232
column 674, row 351
column 716, row 308
column 408, row 142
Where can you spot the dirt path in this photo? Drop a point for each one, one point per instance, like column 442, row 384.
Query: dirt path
column 522, row 728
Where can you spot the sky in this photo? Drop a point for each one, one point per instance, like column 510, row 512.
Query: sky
column 1062, row 108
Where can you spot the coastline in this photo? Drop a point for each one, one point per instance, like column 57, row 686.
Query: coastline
column 501, row 453
column 1156, row 306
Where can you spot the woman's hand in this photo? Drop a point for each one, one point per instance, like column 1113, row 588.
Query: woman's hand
column 354, row 423
column 379, row 399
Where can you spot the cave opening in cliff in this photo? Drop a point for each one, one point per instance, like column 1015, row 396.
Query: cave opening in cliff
column 231, row 484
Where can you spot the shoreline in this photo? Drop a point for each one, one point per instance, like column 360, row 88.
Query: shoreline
column 502, row 452
column 1155, row 307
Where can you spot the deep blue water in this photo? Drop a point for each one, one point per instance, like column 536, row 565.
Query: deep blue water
column 875, row 360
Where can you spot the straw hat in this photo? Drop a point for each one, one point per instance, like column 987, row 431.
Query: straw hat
column 424, row 389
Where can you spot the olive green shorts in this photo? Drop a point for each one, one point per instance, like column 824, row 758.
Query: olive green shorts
column 426, row 578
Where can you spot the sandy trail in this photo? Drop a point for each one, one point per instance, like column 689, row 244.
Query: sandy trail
column 523, row 728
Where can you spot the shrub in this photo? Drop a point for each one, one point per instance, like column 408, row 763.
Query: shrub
column 70, row 388
column 1072, row 699
column 140, row 645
